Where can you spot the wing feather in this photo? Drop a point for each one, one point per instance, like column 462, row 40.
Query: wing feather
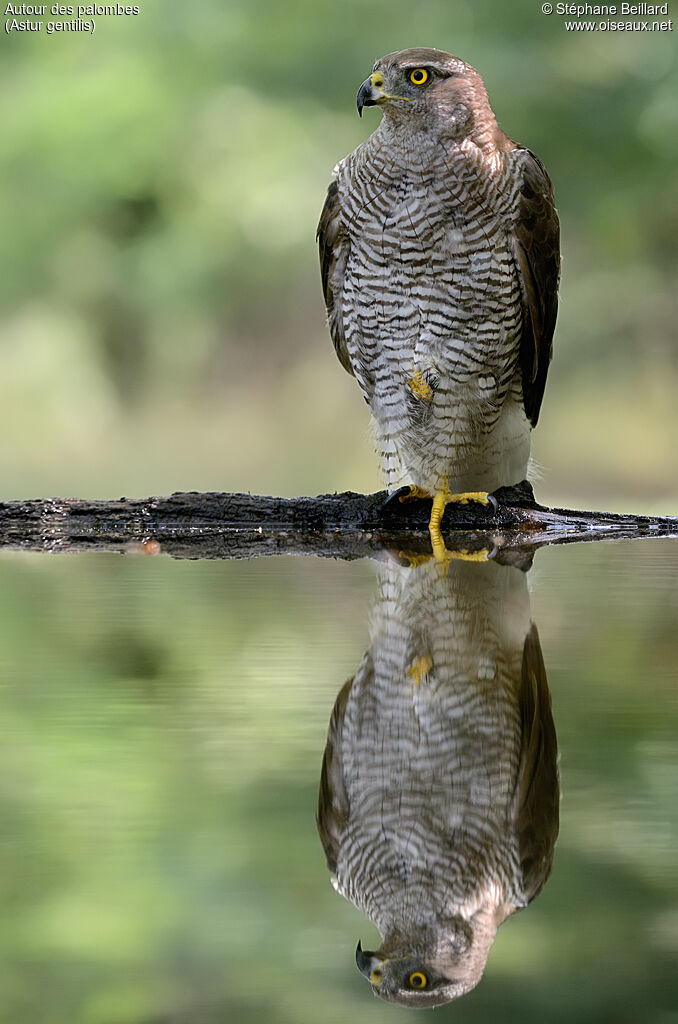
column 333, row 245
column 333, row 807
column 537, row 795
column 535, row 240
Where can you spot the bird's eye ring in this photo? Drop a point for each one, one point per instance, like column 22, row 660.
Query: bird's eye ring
column 419, row 76
column 418, row 980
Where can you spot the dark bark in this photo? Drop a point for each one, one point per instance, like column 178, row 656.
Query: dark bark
column 346, row 525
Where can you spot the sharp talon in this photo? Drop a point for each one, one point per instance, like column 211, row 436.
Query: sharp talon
column 413, row 561
column 491, row 500
column 412, row 493
column 394, row 496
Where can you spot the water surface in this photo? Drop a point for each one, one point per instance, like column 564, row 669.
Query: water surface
column 163, row 729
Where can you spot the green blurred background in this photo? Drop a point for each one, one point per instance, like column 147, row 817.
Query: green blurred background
column 162, row 328
column 161, row 321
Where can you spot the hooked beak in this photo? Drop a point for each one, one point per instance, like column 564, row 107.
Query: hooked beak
column 369, row 964
column 371, row 93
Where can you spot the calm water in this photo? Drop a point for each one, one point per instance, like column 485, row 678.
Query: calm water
column 163, row 730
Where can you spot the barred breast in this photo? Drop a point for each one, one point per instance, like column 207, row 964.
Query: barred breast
column 431, row 309
column 432, row 745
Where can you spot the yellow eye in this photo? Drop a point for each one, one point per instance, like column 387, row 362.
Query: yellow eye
column 418, row 980
column 418, row 77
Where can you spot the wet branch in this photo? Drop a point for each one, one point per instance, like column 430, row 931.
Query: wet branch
column 346, row 525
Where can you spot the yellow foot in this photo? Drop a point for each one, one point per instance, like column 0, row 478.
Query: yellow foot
column 420, row 668
column 481, row 497
column 409, row 560
column 420, row 387
column 414, row 493
column 441, row 500
column 481, row 555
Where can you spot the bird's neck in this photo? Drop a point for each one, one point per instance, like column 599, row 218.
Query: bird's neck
column 420, row 151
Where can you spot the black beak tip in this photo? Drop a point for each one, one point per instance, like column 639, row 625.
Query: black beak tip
column 362, row 960
column 364, row 97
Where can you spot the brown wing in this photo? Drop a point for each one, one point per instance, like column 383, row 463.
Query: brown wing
column 537, row 796
column 536, row 248
column 333, row 244
column 333, row 806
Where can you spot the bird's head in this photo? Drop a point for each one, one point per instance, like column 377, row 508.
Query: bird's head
column 430, row 90
column 435, row 975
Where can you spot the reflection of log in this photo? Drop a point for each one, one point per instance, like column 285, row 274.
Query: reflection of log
column 344, row 525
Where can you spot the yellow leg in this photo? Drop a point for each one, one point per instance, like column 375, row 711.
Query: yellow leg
column 441, row 500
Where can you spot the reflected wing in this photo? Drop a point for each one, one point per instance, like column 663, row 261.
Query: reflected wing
column 332, row 798
column 537, row 795
column 333, row 244
column 535, row 240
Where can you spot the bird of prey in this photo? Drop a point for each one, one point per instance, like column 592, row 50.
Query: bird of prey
column 438, row 802
column 439, row 253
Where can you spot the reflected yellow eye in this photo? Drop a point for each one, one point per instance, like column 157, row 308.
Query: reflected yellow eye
column 418, row 980
column 418, row 77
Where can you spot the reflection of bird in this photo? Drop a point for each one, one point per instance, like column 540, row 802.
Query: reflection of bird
column 439, row 256
column 438, row 805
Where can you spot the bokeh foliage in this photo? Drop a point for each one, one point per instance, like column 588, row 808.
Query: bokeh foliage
column 160, row 182
column 161, row 327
